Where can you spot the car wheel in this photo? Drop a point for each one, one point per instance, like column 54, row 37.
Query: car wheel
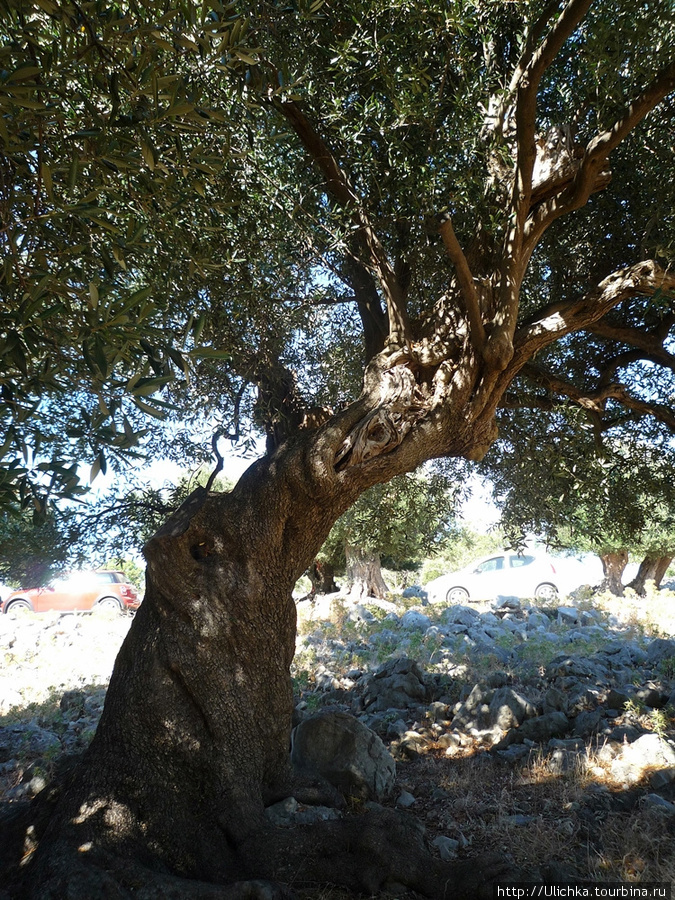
column 109, row 603
column 19, row 606
column 457, row 595
column 546, row 591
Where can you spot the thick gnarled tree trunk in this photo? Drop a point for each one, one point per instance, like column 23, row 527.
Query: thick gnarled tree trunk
column 194, row 737
column 652, row 568
column 193, row 742
column 613, row 565
column 364, row 574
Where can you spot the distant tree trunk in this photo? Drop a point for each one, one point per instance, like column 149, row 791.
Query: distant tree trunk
column 322, row 576
column 652, row 568
column 613, row 565
column 364, row 574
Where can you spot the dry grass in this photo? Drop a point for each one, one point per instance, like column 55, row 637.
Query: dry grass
column 653, row 614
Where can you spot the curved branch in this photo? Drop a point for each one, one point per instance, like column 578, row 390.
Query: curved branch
column 373, row 317
column 592, row 174
column 553, row 322
column 648, row 343
column 219, row 461
column 466, row 283
column 340, row 188
column 531, row 43
column 526, row 106
column 499, row 348
column 595, row 401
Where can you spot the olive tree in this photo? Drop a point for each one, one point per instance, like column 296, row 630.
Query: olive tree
column 333, row 222
column 554, row 478
column 402, row 520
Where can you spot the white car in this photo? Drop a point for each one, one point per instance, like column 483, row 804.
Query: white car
column 500, row 574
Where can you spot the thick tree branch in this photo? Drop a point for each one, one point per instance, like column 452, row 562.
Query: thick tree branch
column 526, row 107
column 531, row 44
column 553, row 322
column 648, row 345
column 600, row 147
column 499, row 348
column 337, row 184
column 592, row 173
column 466, row 284
column 373, row 318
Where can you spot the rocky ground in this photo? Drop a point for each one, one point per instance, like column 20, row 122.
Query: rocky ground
column 545, row 732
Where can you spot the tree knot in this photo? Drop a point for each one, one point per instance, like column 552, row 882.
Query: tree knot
column 402, row 403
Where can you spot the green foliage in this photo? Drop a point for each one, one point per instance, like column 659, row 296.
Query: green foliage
column 122, row 525
column 402, row 521
column 109, row 132
column 169, row 250
column 554, row 478
column 36, row 546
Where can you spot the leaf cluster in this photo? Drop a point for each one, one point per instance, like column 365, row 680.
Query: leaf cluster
column 554, row 479
column 403, row 520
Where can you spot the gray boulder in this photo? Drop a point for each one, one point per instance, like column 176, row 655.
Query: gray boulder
column 536, row 619
column 568, row 615
column 587, row 723
column 648, row 754
column 660, row 649
column 447, row 847
column 658, row 804
column 539, row 730
column 474, row 712
column 415, row 621
column 555, row 701
column 397, row 684
column 543, row 728
column 28, row 741
column 359, row 615
column 460, row 615
column 416, row 591
column 577, row 666
column 346, row 753
column 506, row 602
column 509, row 709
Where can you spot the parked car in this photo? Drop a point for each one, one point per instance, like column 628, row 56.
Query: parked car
column 77, row 591
column 500, row 574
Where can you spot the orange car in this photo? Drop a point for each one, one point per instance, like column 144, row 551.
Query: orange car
column 77, row 591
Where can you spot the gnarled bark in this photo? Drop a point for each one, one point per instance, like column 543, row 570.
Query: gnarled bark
column 322, row 576
column 652, row 568
column 364, row 573
column 613, row 564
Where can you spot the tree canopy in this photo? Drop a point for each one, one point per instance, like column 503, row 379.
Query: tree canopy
column 558, row 479
column 553, row 479
column 404, row 520
column 227, row 209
